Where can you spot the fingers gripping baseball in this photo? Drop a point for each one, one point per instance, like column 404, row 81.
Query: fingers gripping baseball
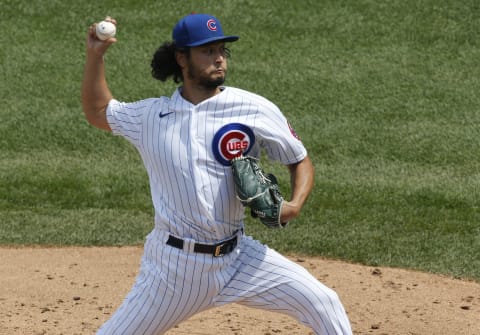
column 101, row 35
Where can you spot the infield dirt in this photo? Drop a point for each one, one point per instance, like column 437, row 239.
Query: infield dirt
column 74, row 290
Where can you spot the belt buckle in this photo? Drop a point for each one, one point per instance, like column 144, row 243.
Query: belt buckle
column 218, row 250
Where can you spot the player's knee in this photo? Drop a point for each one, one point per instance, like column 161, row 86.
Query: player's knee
column 325, row 303
column 331, row 316
column 333, row 296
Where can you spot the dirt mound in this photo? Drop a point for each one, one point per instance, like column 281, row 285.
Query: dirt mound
column 74, row 290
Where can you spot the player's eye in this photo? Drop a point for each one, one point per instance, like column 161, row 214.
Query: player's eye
column 210, row 51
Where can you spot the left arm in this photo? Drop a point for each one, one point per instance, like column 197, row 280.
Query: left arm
column 301, row 178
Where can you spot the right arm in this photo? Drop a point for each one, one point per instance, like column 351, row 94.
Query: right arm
column 95, row 92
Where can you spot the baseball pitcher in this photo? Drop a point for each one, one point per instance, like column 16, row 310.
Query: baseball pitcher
column 200, row 147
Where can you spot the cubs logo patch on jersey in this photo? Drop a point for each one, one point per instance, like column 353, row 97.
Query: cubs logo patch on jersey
column 231, row 141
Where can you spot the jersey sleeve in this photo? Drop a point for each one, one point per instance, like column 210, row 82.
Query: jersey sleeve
column 126, row 119
column 278, row 138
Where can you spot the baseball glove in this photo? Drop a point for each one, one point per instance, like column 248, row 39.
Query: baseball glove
column 257, row 191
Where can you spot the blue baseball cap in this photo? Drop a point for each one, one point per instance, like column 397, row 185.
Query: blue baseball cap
column 198, row 29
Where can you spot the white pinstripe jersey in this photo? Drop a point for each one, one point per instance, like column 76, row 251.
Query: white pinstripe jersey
column 186, row 148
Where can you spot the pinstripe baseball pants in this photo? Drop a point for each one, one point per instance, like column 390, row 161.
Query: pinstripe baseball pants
column 174, row 284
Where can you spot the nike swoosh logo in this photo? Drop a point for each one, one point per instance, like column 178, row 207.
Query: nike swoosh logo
column 164, row 114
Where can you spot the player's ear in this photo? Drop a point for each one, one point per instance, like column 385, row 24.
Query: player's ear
column 181, row 59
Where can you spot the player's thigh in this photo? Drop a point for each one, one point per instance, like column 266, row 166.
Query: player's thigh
column 278, row 281
column 265, row 279
column 297, row 294
column 156, row 302
column 138, row 312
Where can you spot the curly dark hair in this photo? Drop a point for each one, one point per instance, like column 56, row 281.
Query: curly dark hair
column 164, row 64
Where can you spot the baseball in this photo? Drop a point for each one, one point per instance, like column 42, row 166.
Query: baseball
column 105, row 30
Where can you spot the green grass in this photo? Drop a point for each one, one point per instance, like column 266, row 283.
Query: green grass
column 384, row 94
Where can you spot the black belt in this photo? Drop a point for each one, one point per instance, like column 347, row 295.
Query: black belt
column 216, row 250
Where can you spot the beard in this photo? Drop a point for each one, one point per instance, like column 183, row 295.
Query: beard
column 205, row 81
column 211, row 84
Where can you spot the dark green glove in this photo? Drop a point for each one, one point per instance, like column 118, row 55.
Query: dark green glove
column 257, row 191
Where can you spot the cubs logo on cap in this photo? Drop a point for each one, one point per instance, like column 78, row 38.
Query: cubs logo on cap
column 212, row 25
column 198, row 29
column 232, row 140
